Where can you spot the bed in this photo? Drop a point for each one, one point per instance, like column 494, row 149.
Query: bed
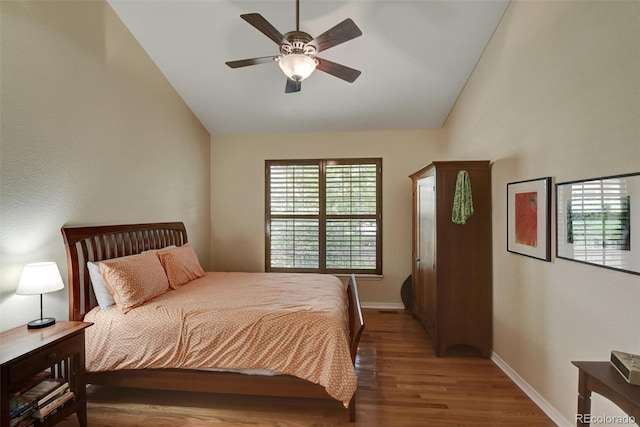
column 101, row 243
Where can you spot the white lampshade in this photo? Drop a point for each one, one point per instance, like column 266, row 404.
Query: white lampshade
column 297, row 66
column 40, row 278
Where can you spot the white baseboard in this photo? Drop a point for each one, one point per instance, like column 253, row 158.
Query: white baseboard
column 546, row 407
column 383, row 305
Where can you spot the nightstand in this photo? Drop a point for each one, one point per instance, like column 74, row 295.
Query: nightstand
column 26, row 352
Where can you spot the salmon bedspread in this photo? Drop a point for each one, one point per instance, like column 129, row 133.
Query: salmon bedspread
column 287, row 323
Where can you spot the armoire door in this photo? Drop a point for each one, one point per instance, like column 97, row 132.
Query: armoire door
column 425, row 239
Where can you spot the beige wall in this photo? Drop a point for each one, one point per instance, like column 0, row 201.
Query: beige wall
column 85, row 113
column 556, row 93
column 237, row 194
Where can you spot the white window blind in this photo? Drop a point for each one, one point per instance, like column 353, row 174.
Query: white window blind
column 324, row 216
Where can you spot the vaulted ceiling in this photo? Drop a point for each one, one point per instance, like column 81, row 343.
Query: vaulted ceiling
column 415, row 57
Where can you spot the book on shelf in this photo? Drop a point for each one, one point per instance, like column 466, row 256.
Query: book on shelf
column 64, row 387
column 33, row 394
column 22, row 420
column 18, row 405
column 26, row 422
column 46, row 390
column 30, row 382
column 43, row 413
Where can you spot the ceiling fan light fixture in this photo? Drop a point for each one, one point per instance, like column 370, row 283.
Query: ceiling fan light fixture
column 297, row 66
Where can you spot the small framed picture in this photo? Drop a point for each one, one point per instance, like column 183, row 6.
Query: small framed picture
column 598, row 222
column 529, row 218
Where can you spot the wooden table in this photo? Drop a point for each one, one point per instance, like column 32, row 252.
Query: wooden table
column 58, row 348
column 604, row 379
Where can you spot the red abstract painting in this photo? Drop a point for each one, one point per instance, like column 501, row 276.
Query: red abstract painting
column 527, row 219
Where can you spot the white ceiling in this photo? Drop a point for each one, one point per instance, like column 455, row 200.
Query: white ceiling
column 415, row 57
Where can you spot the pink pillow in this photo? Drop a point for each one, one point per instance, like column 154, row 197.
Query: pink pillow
column 135, row 280
column 181, row 265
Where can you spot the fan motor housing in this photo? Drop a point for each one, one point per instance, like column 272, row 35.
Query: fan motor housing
column 299, row 43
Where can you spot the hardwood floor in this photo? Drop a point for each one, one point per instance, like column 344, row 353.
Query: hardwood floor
column 401, row 383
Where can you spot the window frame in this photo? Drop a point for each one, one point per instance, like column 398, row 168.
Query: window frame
column 322, row 216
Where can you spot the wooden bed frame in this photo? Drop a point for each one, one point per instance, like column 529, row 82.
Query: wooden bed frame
column 98, row 243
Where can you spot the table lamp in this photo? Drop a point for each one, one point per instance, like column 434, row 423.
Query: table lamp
column 40, row 278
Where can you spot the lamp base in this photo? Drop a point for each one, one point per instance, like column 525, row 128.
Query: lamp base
column 41, row 323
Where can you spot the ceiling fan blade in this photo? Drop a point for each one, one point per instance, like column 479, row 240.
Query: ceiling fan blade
column 293, row 86
column 252, row 61
column 344, row 31
column 265, row 28
column 340, row 71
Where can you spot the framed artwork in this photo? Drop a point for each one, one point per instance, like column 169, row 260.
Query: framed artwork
column 529, row 218
column 598, row 222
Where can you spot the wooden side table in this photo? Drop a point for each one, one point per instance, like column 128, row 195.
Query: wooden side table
column 602, row 378
column 26, row 352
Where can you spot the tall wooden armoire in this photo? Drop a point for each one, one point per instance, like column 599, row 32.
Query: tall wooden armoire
column 451, row 275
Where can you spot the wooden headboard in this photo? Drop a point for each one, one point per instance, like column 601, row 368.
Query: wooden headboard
column 98, row 243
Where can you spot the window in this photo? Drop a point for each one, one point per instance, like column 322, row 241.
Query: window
column 324, row 216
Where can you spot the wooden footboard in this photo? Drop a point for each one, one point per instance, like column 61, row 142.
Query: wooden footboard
column 105, row 242
column 356, row 326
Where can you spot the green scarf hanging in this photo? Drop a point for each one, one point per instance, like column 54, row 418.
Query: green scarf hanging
column 462, row 200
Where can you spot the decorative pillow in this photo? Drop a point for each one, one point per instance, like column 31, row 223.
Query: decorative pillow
column 100, row 289
column 180, row 264
column 135, row 280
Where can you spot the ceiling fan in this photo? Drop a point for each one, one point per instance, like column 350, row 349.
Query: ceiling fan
column 298, row 50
